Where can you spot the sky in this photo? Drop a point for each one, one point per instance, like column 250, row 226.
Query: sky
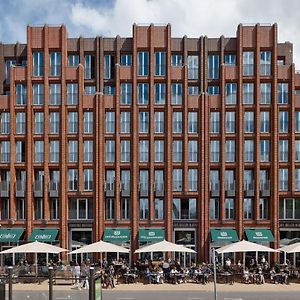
column 193, row 18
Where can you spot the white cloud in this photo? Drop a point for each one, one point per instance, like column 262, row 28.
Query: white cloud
column 188, row 17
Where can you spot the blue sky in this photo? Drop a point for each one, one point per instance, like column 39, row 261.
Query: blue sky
column 111, row 17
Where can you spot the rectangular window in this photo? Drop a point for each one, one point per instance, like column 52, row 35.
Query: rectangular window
column 264, row 122
column 297, row 180
column 39, row 151
column 297, row 150
column 214, row 209
column 143, row 63
column 38, row 63
column 249, row 151
column 110, row 122
column 109, row 66
column 144, row 182
column 20, row 209
column 125, row 151
column 72, row 93
column 125, row 181
column 214, row 151
column 193, row 122
column 80, row 209
column 231, row 93
column 5, row 151
column 89, row 66
column 289, row 209
column 283, row 150
column 54, row 209
column 193, row 63
column 248, row 93
column 21, row 94
column 184, row 209
column 176, row 60
column 177, row 122
column 144, row 209
column 230, row 122
column 54, row 122
column 264, row 150
column 110, row 151
column 249, row 121
column 160, row 93
column 5, row 123
column 177, row 151
column 263, row 209
column 144, row 122
column 283, row 93
column 38, row 209
column 176, row 93
column 38, row 93
column 213, row 90
column 55, row 63
column 88, row 151
column 159, row 151
column 88, row 122
column 20, row 123
column 283, row 121
column 8, row 65
column 125, row 122
column 143, row 93
column 177, row 180
column 214, row 122
column 144, row 151
column 55, row 93
column 54, row 151
column 126, row 60
column 297, row 121
column 248, row 63
column 213, row 66
column 39, row 123
column 193, row 180
column 73, row 151
column 230, row 59
column 229, row 208
column 73, row 122
column 159, row 122
column 159, row 209
column 88, row 179
column 248, row 180
column 125, row 208
column 230, row 150
column 160, row 63
column 73, row 179
column 109, row 90
column 248, row 210
column 126, row 93
column 110, row 209
column 193, row 90
column 73, row 60
column 229, row 180
column 193, row 151
column 265, row 93
column 21, row 151
column 265, row 63
column 90, row 89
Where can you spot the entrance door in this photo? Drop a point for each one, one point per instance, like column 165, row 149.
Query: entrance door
column 80, row 238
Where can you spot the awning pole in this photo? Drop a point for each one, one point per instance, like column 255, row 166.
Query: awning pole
column 284, row 257
column 215, row 273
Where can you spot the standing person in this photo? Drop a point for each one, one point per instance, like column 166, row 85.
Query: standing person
column 77, row 275
column 85, row 275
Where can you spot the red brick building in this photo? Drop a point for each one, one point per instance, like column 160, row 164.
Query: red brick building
column 183, row 136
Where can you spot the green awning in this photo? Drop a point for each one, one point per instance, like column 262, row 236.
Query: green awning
column 116, row 235
column 43, row 235
column 259, row 235
column 151, row 235
column 11, row 234
column 223, row 235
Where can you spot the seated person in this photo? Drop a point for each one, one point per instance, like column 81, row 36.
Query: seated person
column 159, row 276
column 285, row 275
column 173, row 276
column 206, row 274
column 273, row 276
column 260, row 276
column 246, row 275
column 148, row 275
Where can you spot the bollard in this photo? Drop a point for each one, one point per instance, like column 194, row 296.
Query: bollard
column 10, row 272
column 50, row 283
column 91, row 284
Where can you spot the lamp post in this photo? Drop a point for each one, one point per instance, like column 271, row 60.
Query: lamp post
column 215, row 274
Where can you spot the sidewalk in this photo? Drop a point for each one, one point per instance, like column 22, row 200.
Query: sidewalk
column 168, row 287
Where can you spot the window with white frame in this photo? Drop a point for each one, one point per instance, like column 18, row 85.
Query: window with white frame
column 55, row 63
column 283, row 179
column 159, row 122
column 249, row 150
column 39, row 123
column 73, row 122
column 264, row 121
column 80, row 209
column 214, row 151
column 264, row 150
column 283, row 121
column 176, row 60
column 265, row 93
column 230, row 150
column 160, row 93
column 229, row 208
column 159, row 151
column 144, row 150
column 109, row 208
column 159, row 209
column 109, row 66
column 177, row 122
column 283, row 150
column 88, row 179
column 89, row 62
column 144, row 122
column 143, row 93
column 193, row 122
column 213, row 66
column 230, row 59
column 73, row 151
column 125, row 208
column 72, row 93
column 125, row 122
column 297, row 179
column 263, row 209
column 110, row 151
column 248, row 93
column 248, row 209
column 214, row 122
column 38, row 208
column 177, row 180
column 289, row 209
column 73, row 60
column 20, row 151
column 193, row 180
column 160, row 63
column 54, row 151
column 214, row 209
column 283, row 93
column 184, row 209
column 231, row 93
column 265, row 63
column 126, row 60
column 38, row 94
column 143, row 63
column 73, row 179
column 230, row 122
column 144, row 208
column 21, row 94
column 176, row 93
column 177, row 151
column 144, row 180
column 193, row 64
column 193, row 151
column 88, row 122
column 125, row 150
column 54, row 122
column 297, row 121
column 55, row 93
column 248, row 63
column 249, row 121
column 5, row 123
column 110, row 121
column 39, row 151
column 88, row 151
column 5, row 151
column 38, row 63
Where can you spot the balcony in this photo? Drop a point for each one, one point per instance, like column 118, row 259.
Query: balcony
column 144, row 189
column 159, row 189
column 20, row 188
column 110, row 189
column 230, row 189
column 125, row 190
column 214, row 188
column 264, row 187
column 4, row 189
column 38, row 189
column 249, row 188
column 53, row 189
